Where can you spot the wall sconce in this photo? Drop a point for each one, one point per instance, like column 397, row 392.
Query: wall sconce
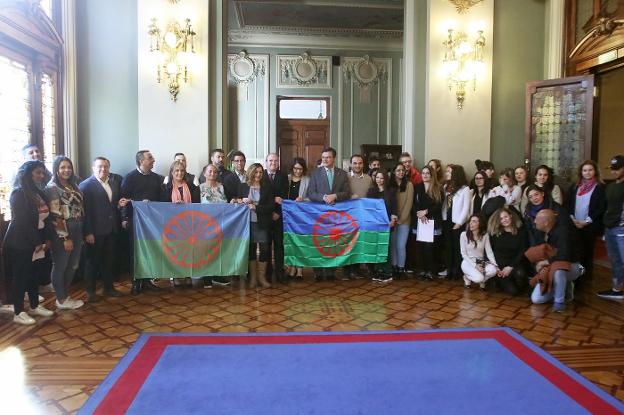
column 463, row 62
column 172, row 46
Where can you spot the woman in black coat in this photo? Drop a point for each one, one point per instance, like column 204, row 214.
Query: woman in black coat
column 27, row 238
column 257, row 195
column 428, row 199
column 586, row 204
column 185, row 189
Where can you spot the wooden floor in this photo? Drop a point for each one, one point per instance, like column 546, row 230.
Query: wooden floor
column 67, row 355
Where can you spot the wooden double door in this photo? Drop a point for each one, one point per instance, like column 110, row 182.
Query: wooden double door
column 301, row 138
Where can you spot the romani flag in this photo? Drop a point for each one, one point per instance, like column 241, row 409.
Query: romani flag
column 319, row 235
column 190, row 240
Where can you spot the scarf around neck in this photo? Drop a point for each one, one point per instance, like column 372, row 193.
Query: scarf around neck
column 586, row 186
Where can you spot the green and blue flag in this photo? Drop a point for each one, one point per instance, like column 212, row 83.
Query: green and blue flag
column 190, row 240
column 319, row 235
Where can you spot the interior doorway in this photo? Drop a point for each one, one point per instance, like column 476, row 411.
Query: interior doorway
column 302, row 129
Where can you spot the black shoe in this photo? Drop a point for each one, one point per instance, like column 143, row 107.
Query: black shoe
column 111, row 292
column 93, row 298
column 428, row 276
column 401, row 273
column 318, row 278
column 136, row 287
column 150, row 285
column 207, row 282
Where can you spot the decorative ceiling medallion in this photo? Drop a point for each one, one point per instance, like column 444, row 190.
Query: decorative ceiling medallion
column 365, row 71
column 304, row 71
column 244, row 69
column 462, row 6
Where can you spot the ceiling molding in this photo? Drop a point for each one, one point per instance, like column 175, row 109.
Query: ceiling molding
column 242, row 39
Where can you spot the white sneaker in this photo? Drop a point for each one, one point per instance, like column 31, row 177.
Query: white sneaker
column 65, row 305
column 443, row 273
column 23, row 318
column 46, row 288
column 75, row 303
column 41, row 299
column 41, row 311
column 7, row 308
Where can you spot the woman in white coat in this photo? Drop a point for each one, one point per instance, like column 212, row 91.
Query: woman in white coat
column 455, row 212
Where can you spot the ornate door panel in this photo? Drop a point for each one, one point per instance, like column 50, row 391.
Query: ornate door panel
column 558, row 123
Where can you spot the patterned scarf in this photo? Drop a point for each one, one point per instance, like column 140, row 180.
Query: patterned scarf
column 586, row 186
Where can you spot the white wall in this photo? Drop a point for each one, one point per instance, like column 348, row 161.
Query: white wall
column 453, row 135
column 167, row 127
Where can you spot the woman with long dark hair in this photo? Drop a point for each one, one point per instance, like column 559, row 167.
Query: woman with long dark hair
column 298, row 184
column 257, row 195
column 455, row 213
column 428, row 198
column 478, row 264
column 586, row 204
column 380, row 190
column 27, row 239
column 67, row 211
column 480, row 187
column 400, row 183
column 544, row 178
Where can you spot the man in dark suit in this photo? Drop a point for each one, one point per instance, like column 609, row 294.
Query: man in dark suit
column 102, row 202
column 279, row 185
column 140, row 184
column 328, row 184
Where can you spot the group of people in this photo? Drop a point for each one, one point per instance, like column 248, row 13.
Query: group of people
column 513, row 229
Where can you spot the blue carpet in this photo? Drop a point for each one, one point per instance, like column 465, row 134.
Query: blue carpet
column 428, row 376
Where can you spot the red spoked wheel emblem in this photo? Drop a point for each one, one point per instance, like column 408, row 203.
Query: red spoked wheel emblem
column 191, row 239
column 335, row 233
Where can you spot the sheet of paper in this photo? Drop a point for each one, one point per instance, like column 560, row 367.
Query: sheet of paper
column 424, row 231
column 38, row 255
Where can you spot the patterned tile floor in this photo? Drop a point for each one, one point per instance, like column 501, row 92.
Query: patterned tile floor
column 67, row 355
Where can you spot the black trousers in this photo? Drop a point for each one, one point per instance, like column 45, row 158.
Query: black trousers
column 100, row 258
column 587, row 237
column 276, row 235
column 430, row 252
column 453, row 252
column 516, row 283
column 24, row 279
column 43, row 269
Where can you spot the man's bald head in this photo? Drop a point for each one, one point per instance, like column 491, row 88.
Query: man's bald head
column 545, row 220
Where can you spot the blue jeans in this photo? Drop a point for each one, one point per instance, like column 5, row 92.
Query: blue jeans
column 65, row 263
column 560, row 282
column 614, row 240
column 398, row 243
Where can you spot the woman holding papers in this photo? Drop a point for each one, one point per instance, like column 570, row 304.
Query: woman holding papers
column 427, row 211
column 27, row 238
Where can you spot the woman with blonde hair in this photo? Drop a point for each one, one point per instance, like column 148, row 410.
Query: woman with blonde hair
column 508, row 242
column 257, row 195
